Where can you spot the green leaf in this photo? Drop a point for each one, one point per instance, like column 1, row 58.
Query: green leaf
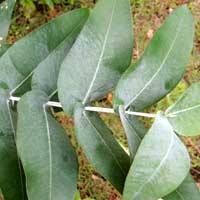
column 184, row 115
column 160, row 165
column 134, row 130
column 162, row 65
column 100, row 147
column 6, row 9
column 18, row 63
column 3, row 49
column 186, row 191
column 135, row 133
column 100, row 55
column 46, row 74
column 16, row 68
column 12, row 181
column 47, row 156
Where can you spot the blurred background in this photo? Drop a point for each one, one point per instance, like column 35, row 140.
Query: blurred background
column 148, row 15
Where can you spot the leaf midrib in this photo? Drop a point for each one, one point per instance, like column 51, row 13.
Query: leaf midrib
column 49, row 146
column 101, row 55
column 49, row 151
column 184, row 110
column 159, row 69
column 158, row 168
column 55, row 49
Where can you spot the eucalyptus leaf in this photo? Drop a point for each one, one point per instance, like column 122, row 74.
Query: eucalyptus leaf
column 43, row 41
column 6, row 9
column 4, row 48
column 160, row 165
column 134, row 130
column 100, row 147
column 12, row 181
column 99, row 56
column 47, row 156
column 184, row 115
column 18, row 63
column 46, row 74
column 186, row 191
column 162, row 65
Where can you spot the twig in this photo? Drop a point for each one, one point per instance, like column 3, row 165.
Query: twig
column 92, row 109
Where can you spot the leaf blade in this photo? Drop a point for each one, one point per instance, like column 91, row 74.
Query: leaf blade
column 46, row 74
column 134, row 130
column 51, row 166
column 99, row 51
column 12, row 181
column 17, row 69
column 162, row 65
column 186, row 191
column 185, row 112
column 101, row 147
column 3, row 49
column 6, row 9
column 166, row 151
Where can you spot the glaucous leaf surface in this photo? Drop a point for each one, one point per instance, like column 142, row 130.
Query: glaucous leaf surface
column 6, row 9
column 46, row 74
column 162, row 65
column 18, row 63
column 47, row 156
column 160, row 165
column 99, row 56
column 27, row 46
column 101, row 148
column 3, row 48
column 186, row 191
column 12, row 182
column 134, row 130
column 47, row 38
column 184, row 115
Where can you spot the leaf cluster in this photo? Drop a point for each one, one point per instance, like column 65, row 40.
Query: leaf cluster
column 79, row 57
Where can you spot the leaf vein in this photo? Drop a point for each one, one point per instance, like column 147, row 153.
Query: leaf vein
column 183, row 110
column 159, row 69
column 50, row 152
column 57, row 47
column 101, row 56
column 158, row 168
